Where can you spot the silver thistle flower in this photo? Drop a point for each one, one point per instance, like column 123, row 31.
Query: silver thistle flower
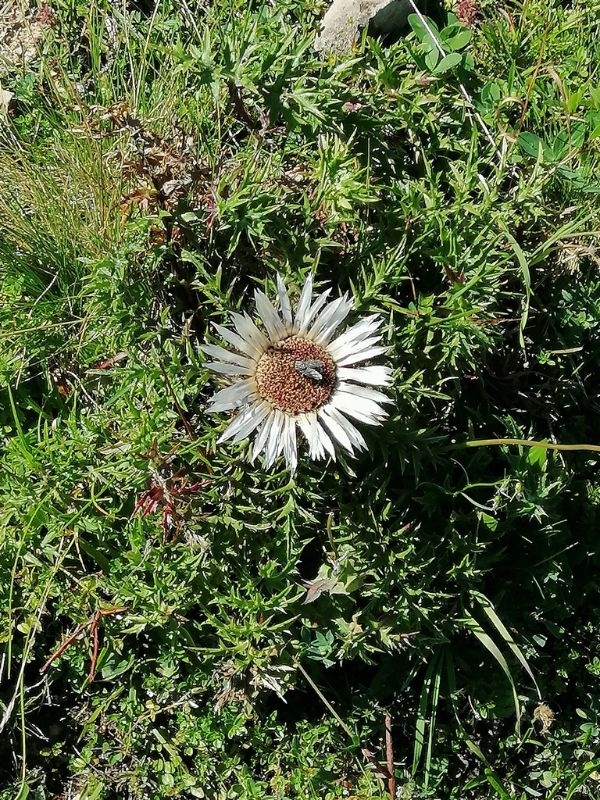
column 294, row 372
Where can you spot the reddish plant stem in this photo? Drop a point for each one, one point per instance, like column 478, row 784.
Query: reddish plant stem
column 389, row 755
column 93, row 623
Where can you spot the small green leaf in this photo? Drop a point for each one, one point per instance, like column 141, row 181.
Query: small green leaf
column 468, row 62
column 114, row 668
column 448, row 62
column 490, row 522
column 431, row 60
column 453, row 39
column 494, row 782
column 533, row 145
column 101, row 560
column 490, row 94
column 421, row 31
column 537, row 455
column 23, row 792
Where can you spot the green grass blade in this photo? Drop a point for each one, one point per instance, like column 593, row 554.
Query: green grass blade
column 490, row 612
column 491, row 646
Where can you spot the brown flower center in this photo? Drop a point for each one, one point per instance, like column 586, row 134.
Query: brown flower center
column 295, row 375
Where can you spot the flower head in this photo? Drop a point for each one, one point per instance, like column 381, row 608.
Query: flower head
column 296, row 372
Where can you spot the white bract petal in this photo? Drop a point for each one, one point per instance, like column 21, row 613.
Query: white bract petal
column 364, row 355
column 262, row 437
column 353, row 335
column 289, row 444
column 308, row 426
column 344, row 402
column 248, row 330
column 284, row 302
column 336, row 310
column 235, row 340
column 259, row 412
column 353, row 433
column 365, row 344
column 352, row 351
column 229, row 369
column 313, row 310
column 363, row 405
column 364, row 391
column 269, row 316
column 375, row 376
column 325, row 441
column 232, row 396
column 275, row 440
column 214, row 351
column 303, row 302
column 245, row 422
column 327, row 332
column 334, row 427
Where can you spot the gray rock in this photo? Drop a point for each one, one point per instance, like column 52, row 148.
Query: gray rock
column 344, row 19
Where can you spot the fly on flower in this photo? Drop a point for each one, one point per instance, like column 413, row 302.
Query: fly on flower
column 295, row 371
column 310, row 369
